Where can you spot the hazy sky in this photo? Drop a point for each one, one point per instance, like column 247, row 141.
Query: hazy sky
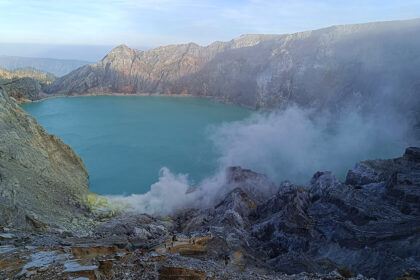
column 149, row 23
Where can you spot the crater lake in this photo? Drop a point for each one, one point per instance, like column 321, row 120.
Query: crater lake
column 124, row 141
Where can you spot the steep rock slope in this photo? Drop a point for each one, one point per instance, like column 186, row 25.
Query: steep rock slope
column 42, row 181
column 364, row 64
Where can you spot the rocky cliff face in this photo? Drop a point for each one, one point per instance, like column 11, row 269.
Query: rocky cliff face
column 363, row 64
column 42, row 181
column 25, row 84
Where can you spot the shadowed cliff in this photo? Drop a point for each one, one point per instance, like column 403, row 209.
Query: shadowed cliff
column 25, row 84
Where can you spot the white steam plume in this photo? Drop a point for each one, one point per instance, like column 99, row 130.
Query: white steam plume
column 293, row 145
column 286, row 145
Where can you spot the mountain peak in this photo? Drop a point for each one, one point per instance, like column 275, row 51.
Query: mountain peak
column 121, row 47
column 120, row 51
column 263, row 70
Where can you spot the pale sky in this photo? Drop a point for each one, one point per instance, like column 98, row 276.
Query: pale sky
column 150, row 23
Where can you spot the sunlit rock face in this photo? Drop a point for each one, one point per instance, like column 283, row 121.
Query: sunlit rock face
column 42, row 181
column 367, row 65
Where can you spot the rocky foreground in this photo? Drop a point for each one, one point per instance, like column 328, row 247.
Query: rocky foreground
column 52, row 227
column 368, row 225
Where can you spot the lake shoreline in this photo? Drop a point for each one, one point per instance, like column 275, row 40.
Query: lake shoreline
column 23, row 101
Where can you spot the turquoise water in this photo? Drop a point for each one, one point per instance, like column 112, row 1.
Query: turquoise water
column 124, row 141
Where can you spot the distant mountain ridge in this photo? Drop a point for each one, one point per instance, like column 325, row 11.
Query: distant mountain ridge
column 58, row 67
column 330, row 67
column 30, row 72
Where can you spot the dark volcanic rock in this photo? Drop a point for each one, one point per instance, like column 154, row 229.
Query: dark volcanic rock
column 139, row 231
column 369, row 227
column 257, row 186
column 413, row 154
column 370, row 224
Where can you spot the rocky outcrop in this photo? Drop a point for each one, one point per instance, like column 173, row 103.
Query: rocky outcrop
column 352, row 65
column 42, row 181
column 369, row 224
column 23, row 89
column 25, row 84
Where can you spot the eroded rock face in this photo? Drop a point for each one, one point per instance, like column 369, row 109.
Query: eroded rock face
column 135, row 231
column 25, row 84
column 369, row 224
column 42, row 180
column 23, row 89
column 331, row 67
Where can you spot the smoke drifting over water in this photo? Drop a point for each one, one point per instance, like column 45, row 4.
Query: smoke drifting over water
column 293, row 145
column 285, row 145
